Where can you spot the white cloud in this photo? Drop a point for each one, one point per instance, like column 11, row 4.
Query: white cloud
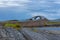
column 12, row 4
column 57, row 1
column 6, row 3
column 37, row 14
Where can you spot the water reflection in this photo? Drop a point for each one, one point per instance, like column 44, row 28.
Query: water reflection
column 49, row 28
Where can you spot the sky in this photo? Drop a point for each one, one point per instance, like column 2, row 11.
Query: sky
column 24, row 9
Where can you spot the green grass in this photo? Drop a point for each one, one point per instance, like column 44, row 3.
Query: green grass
column 16, row 26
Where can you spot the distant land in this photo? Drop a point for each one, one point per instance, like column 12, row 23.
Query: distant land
column 36, row 21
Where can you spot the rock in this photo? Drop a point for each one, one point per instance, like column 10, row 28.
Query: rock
column 33, row 35
column 28, row 34
column 11, row 34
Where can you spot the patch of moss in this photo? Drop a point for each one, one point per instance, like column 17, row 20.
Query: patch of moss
column 16, row 26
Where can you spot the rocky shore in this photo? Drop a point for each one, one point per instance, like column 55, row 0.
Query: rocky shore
column 28, row 34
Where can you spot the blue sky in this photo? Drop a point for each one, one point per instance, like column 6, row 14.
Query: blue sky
column 24, row 9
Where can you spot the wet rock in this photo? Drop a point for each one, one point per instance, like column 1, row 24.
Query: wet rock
column 33, row 35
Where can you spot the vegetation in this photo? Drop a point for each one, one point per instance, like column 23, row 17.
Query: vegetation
column 16, row 26
column 53, row 22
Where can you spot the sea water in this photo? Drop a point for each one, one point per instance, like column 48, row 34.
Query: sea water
column 48, row 28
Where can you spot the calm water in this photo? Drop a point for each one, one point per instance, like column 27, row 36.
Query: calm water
column 49, row 28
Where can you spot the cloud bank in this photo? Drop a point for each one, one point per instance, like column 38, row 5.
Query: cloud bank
column 7, row 3
column 24, row 8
